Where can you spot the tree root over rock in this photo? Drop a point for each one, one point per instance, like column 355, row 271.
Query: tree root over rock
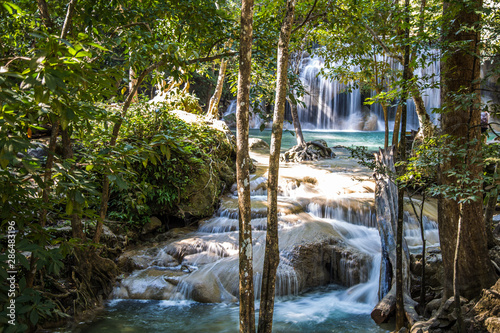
column 86, row 282
column 311, row 151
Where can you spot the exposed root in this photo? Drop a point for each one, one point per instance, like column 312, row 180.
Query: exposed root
column 311, row 151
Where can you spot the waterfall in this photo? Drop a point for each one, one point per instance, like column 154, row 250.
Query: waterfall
column 334, row 105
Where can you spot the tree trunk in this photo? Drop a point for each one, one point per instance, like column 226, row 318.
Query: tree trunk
column 271, row 259
column 460, row 76
column 246, row 290
column 420, row 218
column 378, row 89
column 426, row 125
column 213, row 107
column 44, row 13
column 132, row 81
column 67, row 19
column 400, row 288
column 490, row 211
column 296, row 124
column 386, row 194
column 47, row 177
column 397, row 125
column 386, row 122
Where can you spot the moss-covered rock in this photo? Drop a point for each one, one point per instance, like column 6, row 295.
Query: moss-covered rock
column 193, row 165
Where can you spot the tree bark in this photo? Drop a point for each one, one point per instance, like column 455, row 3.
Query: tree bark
column 400, row 288
column 296, row 124
column 246, row 289
column 271, row 259
column 490, row 211
column 213, row 107
column 44, row 13
column 386, row 203
column 397, row 125
column 460, row 76
column 67, row 19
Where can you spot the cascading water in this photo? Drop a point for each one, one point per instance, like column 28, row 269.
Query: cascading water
column 334, row 105
column 328, row 244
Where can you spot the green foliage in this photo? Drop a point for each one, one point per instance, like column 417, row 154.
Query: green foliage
column 73, row 82
column 363, row 156
column 422, row 169
column 167, row 156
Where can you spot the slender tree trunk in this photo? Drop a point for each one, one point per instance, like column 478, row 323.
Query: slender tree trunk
column 386, row 122
column 490, row 210
column 296, row 124
column 271, row 259
column 422, row 238
column 424, row 120
column 48, row 171
column 67, row 19
column 397, row 125
column 420, row 218
column 66, row 143
column 456, row 290
column 213, row 107
column 132, row 81
column 460, row 76
column 44, row 13
column 400, row 313
column 246, row 290
column 386, row 119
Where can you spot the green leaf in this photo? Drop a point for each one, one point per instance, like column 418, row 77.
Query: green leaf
column 50, row 81
column 89, row 167
column 98, row 46
column 122, row 185
column 34, row 317
column 4, row 163
column 69, row 207
column 79, row 198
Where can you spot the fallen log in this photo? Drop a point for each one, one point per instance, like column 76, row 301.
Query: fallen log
column 384, row 309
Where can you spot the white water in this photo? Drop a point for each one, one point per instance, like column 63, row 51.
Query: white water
column 335, row 105
column 335, row 207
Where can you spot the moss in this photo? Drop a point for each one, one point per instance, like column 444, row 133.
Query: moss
column 194, row 165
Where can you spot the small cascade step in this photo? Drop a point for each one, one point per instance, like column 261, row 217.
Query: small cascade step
column 354, row 210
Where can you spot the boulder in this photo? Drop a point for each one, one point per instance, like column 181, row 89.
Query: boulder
column 153, row 224
column 256, row 143
column 485, row 315
column 366, row 120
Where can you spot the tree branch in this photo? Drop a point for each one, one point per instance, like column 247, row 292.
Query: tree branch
column 307, row 17
column 132, row 25
column 67, row 20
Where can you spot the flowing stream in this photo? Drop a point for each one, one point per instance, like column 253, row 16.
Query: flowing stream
column 328, row 276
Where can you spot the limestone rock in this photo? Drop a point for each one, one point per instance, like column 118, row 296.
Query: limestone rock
column 485, row 315
column 366, row 120
column 256, row 143
column 153, row 224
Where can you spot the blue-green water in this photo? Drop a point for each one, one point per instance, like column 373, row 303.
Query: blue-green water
column 324, row 309
column 318, row 311
column 372, row 140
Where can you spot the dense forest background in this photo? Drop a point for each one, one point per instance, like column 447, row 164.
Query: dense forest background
column 88, row 138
